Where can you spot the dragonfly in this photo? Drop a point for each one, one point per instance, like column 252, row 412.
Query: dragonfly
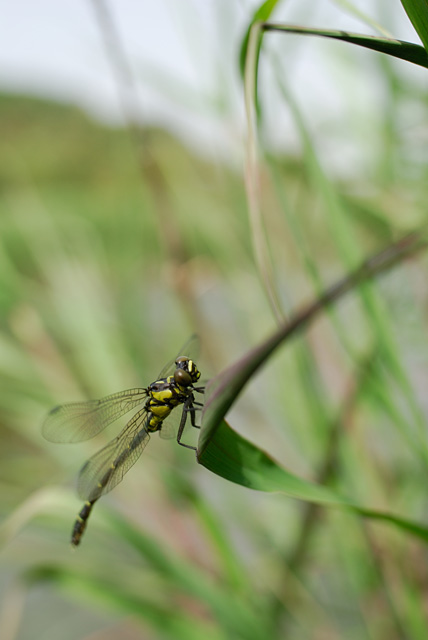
column 79, row 421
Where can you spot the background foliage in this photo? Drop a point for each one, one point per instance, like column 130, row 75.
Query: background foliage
column 117, row 244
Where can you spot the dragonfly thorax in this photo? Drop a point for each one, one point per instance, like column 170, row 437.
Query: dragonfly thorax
column 167, row 393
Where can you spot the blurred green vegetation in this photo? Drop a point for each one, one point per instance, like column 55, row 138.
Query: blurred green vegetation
column 115, row 246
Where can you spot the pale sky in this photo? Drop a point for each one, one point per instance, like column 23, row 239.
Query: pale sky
column 183, row 55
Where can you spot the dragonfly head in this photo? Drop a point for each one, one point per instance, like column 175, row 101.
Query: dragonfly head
column 186, row 372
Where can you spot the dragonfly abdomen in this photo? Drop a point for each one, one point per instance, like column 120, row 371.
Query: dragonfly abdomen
column 158, row 413
column 81, row 520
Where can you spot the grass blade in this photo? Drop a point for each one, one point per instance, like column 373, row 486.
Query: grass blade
column 397, row 48
column 262, row 13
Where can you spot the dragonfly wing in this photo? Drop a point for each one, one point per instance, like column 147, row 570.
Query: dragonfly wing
column 80, row 421
column 101, row 473
column 169, row 427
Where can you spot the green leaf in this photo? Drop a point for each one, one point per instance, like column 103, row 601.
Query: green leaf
column 397, row 48
column 234, row 458
column 417, row 10
column 224, row 389
column 230, row 456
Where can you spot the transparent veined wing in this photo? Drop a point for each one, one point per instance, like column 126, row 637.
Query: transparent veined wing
column 106, row 469
column 78, row 421
column 169, row 427
column 190, row 349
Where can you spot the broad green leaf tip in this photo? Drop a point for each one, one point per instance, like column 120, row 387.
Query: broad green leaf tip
column 230, row 456
column 234, row 458
column 417, row 11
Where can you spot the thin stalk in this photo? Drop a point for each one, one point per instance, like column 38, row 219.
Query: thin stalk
column 252, row 177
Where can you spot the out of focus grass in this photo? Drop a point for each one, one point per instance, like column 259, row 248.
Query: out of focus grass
column 115, row 247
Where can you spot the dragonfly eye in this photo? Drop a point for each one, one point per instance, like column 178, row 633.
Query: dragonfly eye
column 182, row 377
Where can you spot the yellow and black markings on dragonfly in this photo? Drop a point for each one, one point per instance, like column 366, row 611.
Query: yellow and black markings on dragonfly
column 80, row 421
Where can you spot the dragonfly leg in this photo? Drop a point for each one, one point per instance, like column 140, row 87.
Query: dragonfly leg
column 192, row 410
column 187, row 408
